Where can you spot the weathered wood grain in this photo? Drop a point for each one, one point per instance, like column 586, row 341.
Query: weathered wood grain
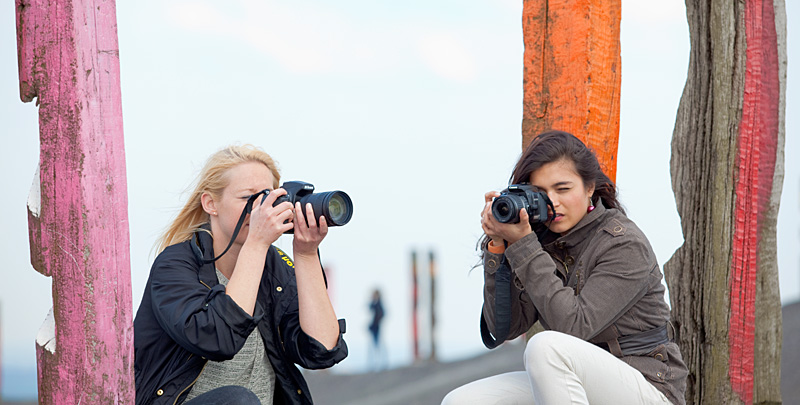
column 727, row 150
column 572, row 73
column 77, row 211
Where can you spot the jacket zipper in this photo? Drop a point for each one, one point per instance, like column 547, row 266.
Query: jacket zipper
column 190, row 357
column 566, row 269
column 190, row 385
column 280, row 337
column 577, row 275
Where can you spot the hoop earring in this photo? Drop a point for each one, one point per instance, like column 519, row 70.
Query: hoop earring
column 591, row 206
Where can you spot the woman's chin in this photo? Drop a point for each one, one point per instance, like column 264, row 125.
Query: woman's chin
column 558, row 227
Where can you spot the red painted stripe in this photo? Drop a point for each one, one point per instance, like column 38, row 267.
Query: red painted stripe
column 755, row 170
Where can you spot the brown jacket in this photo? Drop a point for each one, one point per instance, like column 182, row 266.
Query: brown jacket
column 603, row 272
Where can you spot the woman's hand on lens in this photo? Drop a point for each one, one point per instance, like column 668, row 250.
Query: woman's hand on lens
column 268, row 223
column 499, row 231
column 488, row 222
column 307, row 235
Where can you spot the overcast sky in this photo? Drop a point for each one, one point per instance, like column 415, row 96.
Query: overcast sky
column 413, row 108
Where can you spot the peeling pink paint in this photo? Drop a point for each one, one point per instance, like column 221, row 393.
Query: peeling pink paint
column 78, row 211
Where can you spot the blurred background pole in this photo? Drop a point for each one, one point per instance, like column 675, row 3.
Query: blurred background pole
column 432, row 262
column 414, row 300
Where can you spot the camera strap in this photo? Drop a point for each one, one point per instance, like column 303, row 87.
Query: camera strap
column 502, row 308
column 247, row 208
column 549, row 203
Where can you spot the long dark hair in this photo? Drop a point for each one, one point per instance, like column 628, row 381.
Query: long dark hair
column 552, row 146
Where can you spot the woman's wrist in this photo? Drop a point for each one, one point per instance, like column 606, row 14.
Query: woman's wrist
column 496, row 247
column 253, row 247
column 309, row 253
column 304, row 261
column 517, row 237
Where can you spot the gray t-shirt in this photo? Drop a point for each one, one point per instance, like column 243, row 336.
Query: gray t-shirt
column 249, row 368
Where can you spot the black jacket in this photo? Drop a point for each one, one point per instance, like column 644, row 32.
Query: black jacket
column 185, row 319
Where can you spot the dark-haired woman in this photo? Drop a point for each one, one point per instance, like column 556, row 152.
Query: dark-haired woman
column 591, row 279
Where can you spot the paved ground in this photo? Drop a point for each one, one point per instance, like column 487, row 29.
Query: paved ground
column 428, row 383
column 419, row 384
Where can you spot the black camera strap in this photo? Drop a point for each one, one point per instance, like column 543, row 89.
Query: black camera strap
column 502, row 307
column 502, row 295
column 549, row 203
column 247, row 208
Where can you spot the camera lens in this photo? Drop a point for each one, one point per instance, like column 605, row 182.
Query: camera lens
column 505, row 209
column 337, row 208
column 334, row 205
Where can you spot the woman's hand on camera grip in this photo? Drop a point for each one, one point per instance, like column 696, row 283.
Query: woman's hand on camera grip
column 307, row 235
column 268, row 223
column 498, row 231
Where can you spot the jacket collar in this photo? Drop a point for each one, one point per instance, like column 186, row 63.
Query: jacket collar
column 579, row 231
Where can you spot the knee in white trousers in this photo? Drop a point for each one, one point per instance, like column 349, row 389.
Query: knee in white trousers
column 546, row 352
column 562, row 369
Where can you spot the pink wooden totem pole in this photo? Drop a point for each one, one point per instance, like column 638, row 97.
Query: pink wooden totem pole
column 77, row 209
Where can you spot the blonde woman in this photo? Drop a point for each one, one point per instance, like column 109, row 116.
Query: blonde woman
column 231, row 330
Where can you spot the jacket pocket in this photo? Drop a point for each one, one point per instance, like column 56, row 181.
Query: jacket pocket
column 654, row 365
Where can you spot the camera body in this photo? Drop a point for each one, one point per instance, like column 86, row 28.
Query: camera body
column 506, row 207
column 335, row 206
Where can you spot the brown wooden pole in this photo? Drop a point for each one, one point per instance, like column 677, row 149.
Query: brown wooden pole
column 727, row 174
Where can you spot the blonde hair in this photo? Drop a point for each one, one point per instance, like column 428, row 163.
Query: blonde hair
column 213, row 180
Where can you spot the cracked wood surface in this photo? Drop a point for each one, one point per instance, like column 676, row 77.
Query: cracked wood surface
column 77, row 210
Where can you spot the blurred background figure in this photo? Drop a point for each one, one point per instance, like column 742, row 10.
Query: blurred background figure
column 378, row 358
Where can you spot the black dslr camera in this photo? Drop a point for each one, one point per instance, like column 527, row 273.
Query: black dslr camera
column 335, row 206
column 505, row 208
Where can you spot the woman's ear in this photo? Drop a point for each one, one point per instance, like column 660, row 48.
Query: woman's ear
column 209, row 206
column 590, row 190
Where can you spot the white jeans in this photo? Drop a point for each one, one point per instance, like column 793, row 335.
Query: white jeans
column 562, row 369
